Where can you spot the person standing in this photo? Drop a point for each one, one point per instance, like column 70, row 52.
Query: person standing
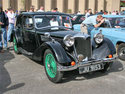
column 3, row 28
column 11, row 17
column 32, row 8
column 114, row 13
column 41, row 9
column 101, row 12
column 78, row 12
column 89, row 13
column 55, row 10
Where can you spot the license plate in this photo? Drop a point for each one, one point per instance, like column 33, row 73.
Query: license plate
column 90, row 68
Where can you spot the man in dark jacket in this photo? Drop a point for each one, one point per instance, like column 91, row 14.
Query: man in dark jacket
column 3, row 26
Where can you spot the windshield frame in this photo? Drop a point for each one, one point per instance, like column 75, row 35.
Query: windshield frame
column 52, row 26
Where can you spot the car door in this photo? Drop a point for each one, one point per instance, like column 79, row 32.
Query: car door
column 19, row 29
column 29, row 34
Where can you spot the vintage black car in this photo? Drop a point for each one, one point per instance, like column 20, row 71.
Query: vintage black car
column 48, row 37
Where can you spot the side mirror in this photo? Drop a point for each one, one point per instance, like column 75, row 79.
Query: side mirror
column 47, row 34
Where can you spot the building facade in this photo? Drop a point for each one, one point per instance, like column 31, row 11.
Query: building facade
column 71, row 6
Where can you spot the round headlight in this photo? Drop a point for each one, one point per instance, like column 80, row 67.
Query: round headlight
column 98, row 38
column 68, row 40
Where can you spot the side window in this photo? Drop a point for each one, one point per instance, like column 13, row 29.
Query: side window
column 28, row 22
column 106, row 24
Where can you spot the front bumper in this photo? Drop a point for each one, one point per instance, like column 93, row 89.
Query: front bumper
column 85, row 63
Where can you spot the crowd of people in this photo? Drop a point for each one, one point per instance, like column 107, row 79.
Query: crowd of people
column 101, row 12
column 32, row 9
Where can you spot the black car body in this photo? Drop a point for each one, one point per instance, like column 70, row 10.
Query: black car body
column 48, row 37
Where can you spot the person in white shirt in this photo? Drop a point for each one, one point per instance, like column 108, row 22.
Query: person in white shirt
column 41, row 9
column 88, row 13
column 78, row 12
column 91, row 22
column 113, row 13
column 11, row 17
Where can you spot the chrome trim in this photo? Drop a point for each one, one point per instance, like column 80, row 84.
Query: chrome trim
column 85, row 63
column 75, row 53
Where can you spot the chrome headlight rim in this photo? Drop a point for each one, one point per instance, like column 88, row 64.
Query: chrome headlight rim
column 69, row 40
column 98, row 38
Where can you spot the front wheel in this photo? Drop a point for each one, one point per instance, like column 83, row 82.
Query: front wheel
column 50, row 65
column 121, row 51
column 16, row 50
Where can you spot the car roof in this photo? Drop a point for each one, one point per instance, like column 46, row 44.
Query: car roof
column 113, row 16
column 44, row 13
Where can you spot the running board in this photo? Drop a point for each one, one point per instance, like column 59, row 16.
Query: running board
column 25, row 52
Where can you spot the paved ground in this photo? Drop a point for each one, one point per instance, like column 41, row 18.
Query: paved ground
column 20, row 75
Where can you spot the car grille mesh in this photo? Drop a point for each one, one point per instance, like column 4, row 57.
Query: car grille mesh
column 83, row 46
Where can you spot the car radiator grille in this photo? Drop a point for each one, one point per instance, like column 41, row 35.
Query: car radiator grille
column 83, row 46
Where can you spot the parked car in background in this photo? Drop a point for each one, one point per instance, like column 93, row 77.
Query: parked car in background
column 122, row 13
column 78, row 18
column 48, row 37
column 113, row 29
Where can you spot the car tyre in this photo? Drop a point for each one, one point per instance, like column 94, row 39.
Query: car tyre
column 121, row 51
column 15, row 46
column 50, row 65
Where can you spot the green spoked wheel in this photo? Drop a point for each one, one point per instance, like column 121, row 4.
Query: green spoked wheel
column 15, row 46
column 50, row 65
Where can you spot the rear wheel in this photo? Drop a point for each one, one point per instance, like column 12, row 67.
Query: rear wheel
column 121, row 51
column 16, row 50
column 50, row 65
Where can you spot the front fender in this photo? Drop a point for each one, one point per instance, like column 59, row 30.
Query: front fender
column 57, row 50
column 105, row 49
column 110, row 45
column 17, row 35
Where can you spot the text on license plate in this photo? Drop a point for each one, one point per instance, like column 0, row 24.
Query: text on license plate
column 90, row 68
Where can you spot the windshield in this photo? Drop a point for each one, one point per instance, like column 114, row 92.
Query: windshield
column 117, row 22
column 54, row 21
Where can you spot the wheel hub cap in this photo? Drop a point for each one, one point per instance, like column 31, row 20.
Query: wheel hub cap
column 50, row 65
column 122, row 53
